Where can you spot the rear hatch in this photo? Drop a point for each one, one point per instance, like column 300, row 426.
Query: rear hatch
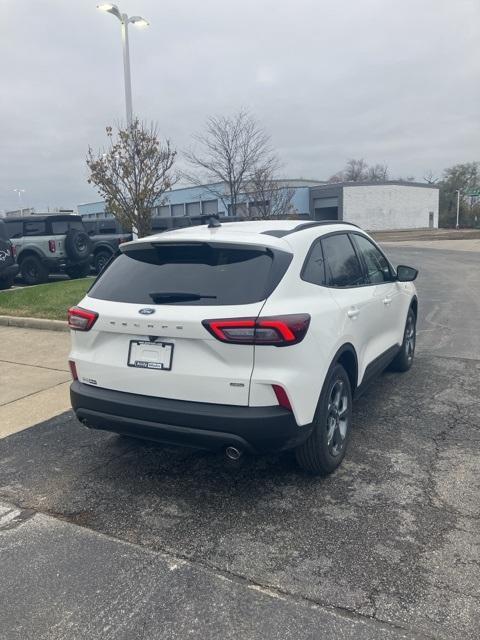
column 151, row 301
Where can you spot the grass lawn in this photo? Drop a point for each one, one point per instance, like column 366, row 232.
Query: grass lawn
column 44, row 300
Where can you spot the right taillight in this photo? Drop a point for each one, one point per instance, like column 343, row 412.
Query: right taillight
column 81, row 319
column 278, row 331
column 52, row 246
column 13, row 250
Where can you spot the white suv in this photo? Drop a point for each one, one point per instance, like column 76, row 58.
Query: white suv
column 244, row 336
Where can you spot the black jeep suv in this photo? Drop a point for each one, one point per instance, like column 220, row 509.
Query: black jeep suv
column 8, row 267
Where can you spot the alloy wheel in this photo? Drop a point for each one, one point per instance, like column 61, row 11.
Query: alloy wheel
column 410, row 338
column 337, row 418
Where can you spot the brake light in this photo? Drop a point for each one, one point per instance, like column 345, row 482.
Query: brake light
column 282, row 397
column 73, row 369
column 13, row 250
column 279, row 331
column 52, row 246
column 81, row 319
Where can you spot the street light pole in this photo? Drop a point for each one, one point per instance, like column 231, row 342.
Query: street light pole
column 458, row 207
column 19, row 194
column 126, row 69
column 125, row 21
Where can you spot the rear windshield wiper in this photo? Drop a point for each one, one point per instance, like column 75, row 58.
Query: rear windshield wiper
column 178, row 296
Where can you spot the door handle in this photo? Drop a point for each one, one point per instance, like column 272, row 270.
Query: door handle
column 353, row 313
column 387, row 301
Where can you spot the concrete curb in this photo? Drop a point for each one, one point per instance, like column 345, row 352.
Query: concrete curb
column 34, row 323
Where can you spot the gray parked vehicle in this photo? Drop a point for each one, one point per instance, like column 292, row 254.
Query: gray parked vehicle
column 47, row 244
column 106, row 236
column 8, row 266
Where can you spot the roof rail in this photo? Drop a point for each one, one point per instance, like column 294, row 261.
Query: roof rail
column 280, row 233
column 319, row 223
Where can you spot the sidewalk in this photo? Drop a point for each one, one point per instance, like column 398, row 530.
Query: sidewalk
column 34, row 377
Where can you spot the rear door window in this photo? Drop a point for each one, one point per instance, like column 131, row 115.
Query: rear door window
column 34, row 228
column 192, row 274
column 59, row 227
column 342, row 266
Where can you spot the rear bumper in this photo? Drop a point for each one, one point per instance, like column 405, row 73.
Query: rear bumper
column 192, row 424
column 9, row 272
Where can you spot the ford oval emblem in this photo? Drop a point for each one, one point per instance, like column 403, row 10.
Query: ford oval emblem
column 147, row 311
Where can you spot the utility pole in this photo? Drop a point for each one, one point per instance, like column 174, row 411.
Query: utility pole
column 458, row 207
column 19, row 194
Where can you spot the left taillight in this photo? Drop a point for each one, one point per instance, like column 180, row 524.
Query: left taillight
column 278, row 331
column 81, row 319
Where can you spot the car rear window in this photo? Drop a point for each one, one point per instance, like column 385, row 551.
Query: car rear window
column 196, row 274
column 3, row 231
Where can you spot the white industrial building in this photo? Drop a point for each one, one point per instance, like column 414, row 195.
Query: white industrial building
column 371, row 205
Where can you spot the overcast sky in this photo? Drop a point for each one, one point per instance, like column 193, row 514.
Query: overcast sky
column 390, row 81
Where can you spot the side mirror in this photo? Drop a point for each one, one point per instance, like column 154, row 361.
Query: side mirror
column 406, row 274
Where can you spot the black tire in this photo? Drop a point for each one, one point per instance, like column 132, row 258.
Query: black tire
column 404, row 358
column 78, row 271
column 6, row 283
column 78, row 245
column 325, row 448
column 101, row 259
column 33, row 271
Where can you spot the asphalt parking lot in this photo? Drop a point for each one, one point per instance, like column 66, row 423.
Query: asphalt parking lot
column 106, row 537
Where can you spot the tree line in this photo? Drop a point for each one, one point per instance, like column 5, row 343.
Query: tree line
column 235, row 159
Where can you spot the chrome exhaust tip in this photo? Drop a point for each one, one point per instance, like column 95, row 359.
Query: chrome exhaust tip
column 233, row 453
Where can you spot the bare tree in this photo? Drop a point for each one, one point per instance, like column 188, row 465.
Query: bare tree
column 231, row 149
column 337, row 177
column 377, row 173
column 356, row 170
column 133, row 174
column 268, row 197
column 359, row 171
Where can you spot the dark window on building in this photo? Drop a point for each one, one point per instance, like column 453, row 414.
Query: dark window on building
column 34, row 228
column 314, row 269
column 378, row 269
column 342, row 267
column 178, row 210
column 209, row 207
column 193, row 208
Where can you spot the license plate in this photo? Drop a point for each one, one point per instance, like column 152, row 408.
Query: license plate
column 144, row 354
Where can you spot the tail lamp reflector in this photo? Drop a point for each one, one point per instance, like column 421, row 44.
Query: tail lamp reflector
column 81, row 319
column 282, row 397
column 52, row 246
column 73, row 369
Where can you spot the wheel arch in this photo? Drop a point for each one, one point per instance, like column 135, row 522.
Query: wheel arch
column 103, row 246
column 347, row 357
column 28, row 252
column 414, row 306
